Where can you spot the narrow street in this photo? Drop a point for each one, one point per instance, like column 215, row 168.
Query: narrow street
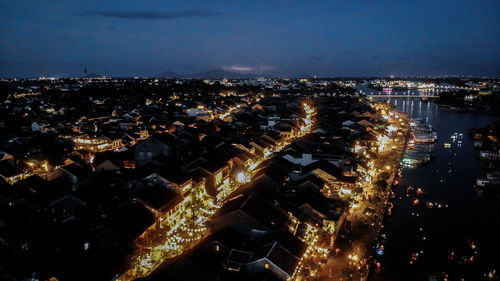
column 161, row 243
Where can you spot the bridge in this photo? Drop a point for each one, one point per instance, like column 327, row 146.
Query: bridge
column 453, row 87
column 430, row 92
column 403, row 96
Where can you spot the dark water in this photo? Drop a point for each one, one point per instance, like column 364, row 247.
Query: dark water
column 471, row 218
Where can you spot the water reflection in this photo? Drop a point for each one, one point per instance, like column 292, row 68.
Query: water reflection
column 466, row 217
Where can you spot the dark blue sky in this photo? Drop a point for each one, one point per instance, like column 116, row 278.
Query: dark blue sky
column 324, row 38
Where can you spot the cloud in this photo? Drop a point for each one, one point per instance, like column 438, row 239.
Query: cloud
column 237, row 68
column 245, row 68
column 153, row 15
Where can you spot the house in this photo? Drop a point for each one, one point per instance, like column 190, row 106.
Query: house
column 331, row 174
column 10, row 173
column 247, row 148
column 250, row 215
column 178, row 124
column 158, row 195
column 73, row 172
column 39, row 127
column 74, row 158
column 4, row 156
column 237, row 259
column 304, row 159
column 106, row 165
column 41, row 188
column 348, row 123
column 83, row 154
column 304, row 145
column 96, row 143
column 66, row 206
column 257, row 107
column 366, row 124
column 264, row 211
column 148, row 149
column 215, row 174
column 262, row 146
column 285, row 129
column 280, row 257
column 366, row 114
column 243, row 160
column 274, row 258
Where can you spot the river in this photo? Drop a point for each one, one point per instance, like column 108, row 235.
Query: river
column 468, row 222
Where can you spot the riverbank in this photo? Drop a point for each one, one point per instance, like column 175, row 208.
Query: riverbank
column 355, row 247
column 467, row 109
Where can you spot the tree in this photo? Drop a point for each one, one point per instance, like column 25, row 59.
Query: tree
column 384, row 176
column 381, row 184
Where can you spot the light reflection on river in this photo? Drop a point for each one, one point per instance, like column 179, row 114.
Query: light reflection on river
column 449, row 179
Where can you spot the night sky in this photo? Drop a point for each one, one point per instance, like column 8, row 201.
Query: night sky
column 289, row 38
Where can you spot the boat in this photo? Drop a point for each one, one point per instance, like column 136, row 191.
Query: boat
column 489, row 155
column 491, row 179
column 482, row 182
column 424, row 147
column 424, row 139
column 420, row 148
column 423, row 132
column 410, row 160
column 425, row 157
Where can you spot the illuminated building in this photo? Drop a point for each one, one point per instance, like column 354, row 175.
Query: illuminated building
column 96, row 144
column 10, row 173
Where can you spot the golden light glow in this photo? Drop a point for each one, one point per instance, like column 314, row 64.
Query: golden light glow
column 242, row 178
column 190, row 226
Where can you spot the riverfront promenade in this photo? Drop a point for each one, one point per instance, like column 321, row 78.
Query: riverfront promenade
column 353, row 258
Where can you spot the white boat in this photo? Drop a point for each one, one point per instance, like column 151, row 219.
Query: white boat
column 424, row 139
